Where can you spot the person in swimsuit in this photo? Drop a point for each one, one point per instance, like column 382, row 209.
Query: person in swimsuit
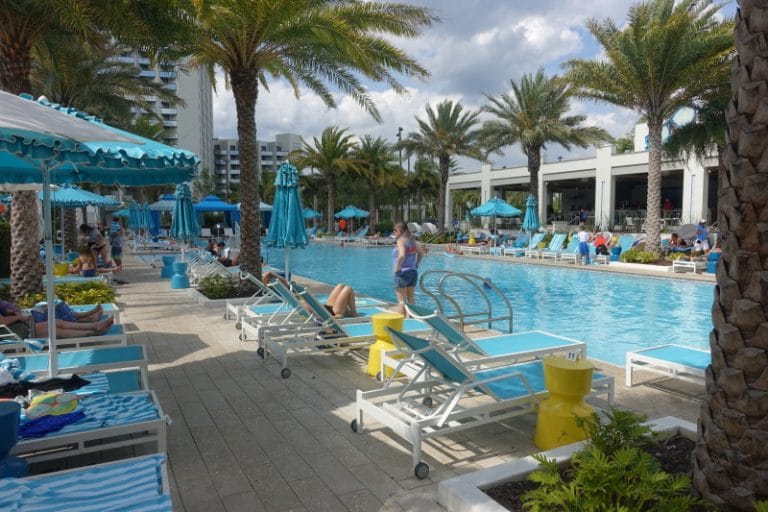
column 93, row 238
column 406, row 258
column 24, row 324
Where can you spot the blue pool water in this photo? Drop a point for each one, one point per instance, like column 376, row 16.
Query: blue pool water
column 612, row 313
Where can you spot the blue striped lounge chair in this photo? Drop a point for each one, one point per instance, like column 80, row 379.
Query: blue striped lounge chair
column 571, row 252
column 673, row 361
column 132, row 485
column 442, row 398
column 555, row 243
column 323, row 332
column 533, row 242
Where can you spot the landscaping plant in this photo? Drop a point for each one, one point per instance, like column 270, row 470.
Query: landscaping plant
column 216, row 287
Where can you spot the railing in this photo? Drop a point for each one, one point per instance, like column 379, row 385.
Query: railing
column 438, row 284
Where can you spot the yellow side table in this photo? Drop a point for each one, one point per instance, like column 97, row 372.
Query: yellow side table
column 383, row 342
column 568, row 382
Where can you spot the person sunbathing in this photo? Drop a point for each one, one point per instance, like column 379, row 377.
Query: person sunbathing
column 341, row 302
column 24, row 325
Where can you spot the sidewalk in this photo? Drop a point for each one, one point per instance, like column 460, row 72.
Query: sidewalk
column 245, row 439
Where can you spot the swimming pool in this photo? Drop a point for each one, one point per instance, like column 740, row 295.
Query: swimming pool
column 612, row 313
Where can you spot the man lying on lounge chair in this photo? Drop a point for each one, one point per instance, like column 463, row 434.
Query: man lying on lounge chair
column 26, row 325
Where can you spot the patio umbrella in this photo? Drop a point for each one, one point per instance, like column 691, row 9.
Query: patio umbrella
column 351, row 212
column 495, row 208
column 531, row 219
column 286, row 228
column 309, row 213
column 125, row 212
column 166, row 203
column 184, row 224
column 44, row 143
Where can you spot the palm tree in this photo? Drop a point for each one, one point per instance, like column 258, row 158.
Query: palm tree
column 377, row 165
column 424, row 181
column 24, row 25
column 305, row 42
column 668, row 54
column 533, row 116
column 332, row 156
column 448, row 132
column 732, row 453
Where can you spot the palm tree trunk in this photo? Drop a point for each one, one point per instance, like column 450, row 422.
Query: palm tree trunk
column 372, row 218
column 69, row 237
column 26, row 276
column 245, row 90
column 653, row 201
column 331, row 203
column 722, row 184
column 443, row 166
column 731, row 454
column 534, row 164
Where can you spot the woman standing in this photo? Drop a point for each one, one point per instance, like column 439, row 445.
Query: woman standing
column 406, row 258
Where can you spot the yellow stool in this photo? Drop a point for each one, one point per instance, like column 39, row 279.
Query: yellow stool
column 383, row 343
column 568, row 382
column 60, row 269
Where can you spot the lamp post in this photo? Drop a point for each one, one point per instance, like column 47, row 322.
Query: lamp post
column 399, row 140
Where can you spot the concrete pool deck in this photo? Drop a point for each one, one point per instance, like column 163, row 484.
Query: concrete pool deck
column 245, row 439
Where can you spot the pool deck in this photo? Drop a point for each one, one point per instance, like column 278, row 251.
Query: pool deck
column 245, row 439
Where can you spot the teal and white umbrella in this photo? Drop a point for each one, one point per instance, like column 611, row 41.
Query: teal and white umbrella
column 45, row 143
column 531, row 219
column 184, row 225
column 286, row 227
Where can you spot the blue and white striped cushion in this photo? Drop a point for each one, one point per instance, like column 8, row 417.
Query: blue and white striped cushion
column 132, row 485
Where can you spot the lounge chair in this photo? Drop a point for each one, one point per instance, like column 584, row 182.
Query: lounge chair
column 555, row 248
column 321, row 331
column 555, row 243
column 441, row 400
column 520, row 244
column 533, row 243
column 684, row 264
column 571, row 252
column 111, row 421
column 107, row 308
column 674, row 361
column 139, row 484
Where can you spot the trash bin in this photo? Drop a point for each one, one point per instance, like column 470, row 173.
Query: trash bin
column 712, row 260
column 615, row 251
column 179, row 278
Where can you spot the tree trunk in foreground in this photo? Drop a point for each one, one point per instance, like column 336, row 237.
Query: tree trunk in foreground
column 26, row 274
column 731, row 456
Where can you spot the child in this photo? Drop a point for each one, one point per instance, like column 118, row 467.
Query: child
column 583, row 245
column 85, row 265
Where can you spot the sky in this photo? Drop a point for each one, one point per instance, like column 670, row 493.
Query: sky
column 474, row 51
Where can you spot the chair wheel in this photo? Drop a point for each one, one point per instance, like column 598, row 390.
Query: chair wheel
column 238, row 326
column 241, row 337
column 421, row 470
column 285, row 373
column 379, row 377
column 428, row 402
column 260, row 352
column 353, row 425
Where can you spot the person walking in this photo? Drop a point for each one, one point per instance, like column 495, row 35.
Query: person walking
column 406, row 257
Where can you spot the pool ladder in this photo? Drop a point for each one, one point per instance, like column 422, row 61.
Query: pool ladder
column 440, row 292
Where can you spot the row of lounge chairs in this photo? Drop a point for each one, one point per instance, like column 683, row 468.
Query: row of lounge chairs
column 115, row 409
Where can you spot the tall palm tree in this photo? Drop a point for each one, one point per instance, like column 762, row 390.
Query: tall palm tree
column 533, row 116
column 305, row 42
column 332, row 156
column 732, row 451
column 449, row 131
column 377, row 165
column 668, row 54
column 24, row 25
column 424, row 181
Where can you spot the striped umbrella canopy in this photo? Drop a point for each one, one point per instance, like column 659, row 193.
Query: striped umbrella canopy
column 286, row 228
column 45, row 143
column 531, row 219
column 184, row 225
column 70, row 196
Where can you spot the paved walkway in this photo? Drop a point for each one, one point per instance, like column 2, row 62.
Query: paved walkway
column 244, row 439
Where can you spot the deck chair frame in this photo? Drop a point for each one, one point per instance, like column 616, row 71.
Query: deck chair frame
column 647, row 361
column 681, row 265
column 431, row 405
column 58, row 446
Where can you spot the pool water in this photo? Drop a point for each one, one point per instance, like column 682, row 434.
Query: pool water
column 612, row 313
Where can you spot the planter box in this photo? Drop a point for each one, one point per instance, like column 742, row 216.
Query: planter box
column 204, row 301
column 465, row 493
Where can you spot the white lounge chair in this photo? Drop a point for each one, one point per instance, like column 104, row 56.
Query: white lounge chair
column 682, row 265
column 673, row 361
column 442, row 399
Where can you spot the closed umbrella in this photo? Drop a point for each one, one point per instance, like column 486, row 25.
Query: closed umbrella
column 43, row 143
column 286, row 228
column 184, row 225
column 531, row 219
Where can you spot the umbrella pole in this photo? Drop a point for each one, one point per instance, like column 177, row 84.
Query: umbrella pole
column 286, row 251
column 53, row 366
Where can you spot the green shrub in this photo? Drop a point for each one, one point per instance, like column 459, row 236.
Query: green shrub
column 635, row 256
column 91, row 292
column 383, row 226
column 216, row 287
column 611, row 473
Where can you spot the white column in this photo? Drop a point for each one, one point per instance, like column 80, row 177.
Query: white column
column 604, row 187
column 695, row 183
column 486, row 191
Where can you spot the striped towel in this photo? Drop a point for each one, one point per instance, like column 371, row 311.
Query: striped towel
column 98, row 384
column 131, row 485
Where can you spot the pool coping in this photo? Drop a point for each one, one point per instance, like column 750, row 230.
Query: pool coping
column 466, row 493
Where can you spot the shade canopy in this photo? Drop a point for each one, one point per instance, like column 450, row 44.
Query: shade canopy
column 351, row 212
column 309, row 213
column 125, row 212
column 166, row 203
column 41, row 142
column 495, row 208
column 215, row 204
column 184, row 224
column 531, row 219
column 70, row 196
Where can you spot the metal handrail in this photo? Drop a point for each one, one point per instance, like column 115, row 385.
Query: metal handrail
column 480, row 284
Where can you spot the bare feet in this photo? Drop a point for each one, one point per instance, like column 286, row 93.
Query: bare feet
column 104, row 325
